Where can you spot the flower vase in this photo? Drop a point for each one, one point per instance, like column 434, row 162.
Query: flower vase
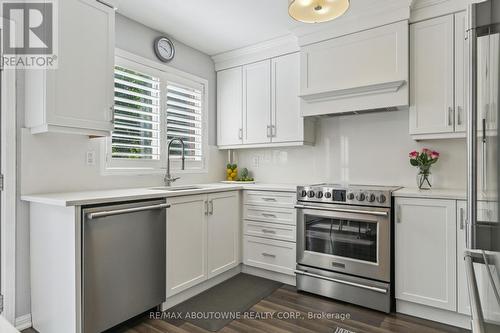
column 424, row 180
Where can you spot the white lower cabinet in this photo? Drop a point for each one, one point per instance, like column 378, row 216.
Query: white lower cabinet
column 269, row 227
column 425, row 252
column 273, row 255
column 223, row 232
column 202, row 238
column 186, row 243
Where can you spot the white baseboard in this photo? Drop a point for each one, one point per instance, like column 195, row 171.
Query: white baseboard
column 263, row 273
column 23, row 322
column 434, row 314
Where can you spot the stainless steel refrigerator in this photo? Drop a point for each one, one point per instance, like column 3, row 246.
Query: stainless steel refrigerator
column 482, row 236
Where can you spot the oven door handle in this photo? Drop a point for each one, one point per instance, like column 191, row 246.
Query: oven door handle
column 343, row 210
column 352, row 284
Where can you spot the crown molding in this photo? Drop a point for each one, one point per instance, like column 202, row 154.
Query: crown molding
column 370, row 17
column 253, row 53
column 427, row 9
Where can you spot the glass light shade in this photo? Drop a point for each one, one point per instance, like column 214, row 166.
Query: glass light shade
column 316, row 11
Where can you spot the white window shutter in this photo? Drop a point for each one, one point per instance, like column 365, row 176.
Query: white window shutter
column 136, row 134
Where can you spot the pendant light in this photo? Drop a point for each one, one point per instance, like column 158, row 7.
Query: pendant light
column 315, row 11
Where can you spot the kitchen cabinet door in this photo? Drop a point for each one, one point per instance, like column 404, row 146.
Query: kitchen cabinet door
column 425, row 252
column 432, row 76
column 491, row 310
column 223, row 232
column 186, row 243
column 257, row 102
column 78, row 97
column 230, row 107
column 288, row 125
column 460, row 72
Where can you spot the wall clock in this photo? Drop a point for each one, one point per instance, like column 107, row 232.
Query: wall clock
column 164, row 49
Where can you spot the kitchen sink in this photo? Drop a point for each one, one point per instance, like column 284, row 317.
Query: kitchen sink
column 176, row 188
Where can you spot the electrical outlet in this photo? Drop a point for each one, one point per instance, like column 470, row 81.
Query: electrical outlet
column 90, row 158
column 255, row 161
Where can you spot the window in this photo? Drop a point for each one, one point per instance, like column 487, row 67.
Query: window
column 136, row 133
column 152, row 106
column 184, row 120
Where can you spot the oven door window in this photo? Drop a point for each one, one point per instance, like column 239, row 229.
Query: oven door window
column 343, row 238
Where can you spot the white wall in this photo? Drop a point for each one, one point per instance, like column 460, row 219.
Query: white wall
column 56, row 162
column 361, row 149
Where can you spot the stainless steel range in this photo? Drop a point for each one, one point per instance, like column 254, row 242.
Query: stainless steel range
column 344, row 243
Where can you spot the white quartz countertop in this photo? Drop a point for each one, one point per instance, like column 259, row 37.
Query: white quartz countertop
column 453, row 194
column 5, row 327
column 66, row 199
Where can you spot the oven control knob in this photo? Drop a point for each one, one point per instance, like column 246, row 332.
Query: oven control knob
column 310, row 194
column 381, row 198
column 328, row 195
column 360, row 197
column 370, row 197
column 350, row 196
column 319, row 195
column 303, row 193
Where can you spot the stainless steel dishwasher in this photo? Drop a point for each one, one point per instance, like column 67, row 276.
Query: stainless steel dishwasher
column 124, row 262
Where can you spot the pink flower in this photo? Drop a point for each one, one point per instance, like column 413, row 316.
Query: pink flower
column 413, row 154
column 426, row 151
column 434, row 154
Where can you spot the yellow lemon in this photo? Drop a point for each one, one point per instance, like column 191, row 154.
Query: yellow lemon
column 229, row 171
column 233, row 175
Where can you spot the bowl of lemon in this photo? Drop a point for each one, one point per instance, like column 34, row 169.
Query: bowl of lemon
column 233, row 175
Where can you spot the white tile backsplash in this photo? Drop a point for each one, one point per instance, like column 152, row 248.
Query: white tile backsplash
column 367, row 148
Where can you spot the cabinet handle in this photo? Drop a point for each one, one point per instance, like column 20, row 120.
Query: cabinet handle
column 267, row 231
column 459, row 115
column 462, row 214
column 398, row 214
column 269, row 199
column 206, row 207
column 240, row 133
column 268, row 255
column 450, row 116
column 211, row 209
column 269, row 131
column 269, row 215
column 273, row 131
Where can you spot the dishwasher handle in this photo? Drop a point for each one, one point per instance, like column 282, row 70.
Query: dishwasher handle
column 106, row 213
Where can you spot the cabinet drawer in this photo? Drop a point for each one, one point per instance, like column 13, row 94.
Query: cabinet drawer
column 267, row 214
column 270, row 230
column 273, row 255
column 270, row 199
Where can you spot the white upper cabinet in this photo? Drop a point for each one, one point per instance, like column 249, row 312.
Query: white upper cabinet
column 460, row 73
column 287, row 123
column 425, row 251
column 257, row 102
column 361, row 71
column 258, row 105
column 437, row 71
column 229, row 107
column 78, row 96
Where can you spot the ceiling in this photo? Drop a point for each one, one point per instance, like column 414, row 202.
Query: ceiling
column 216, row 26
column 213, row 26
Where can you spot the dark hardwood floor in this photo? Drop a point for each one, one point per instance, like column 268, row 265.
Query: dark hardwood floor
column 287, row 299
